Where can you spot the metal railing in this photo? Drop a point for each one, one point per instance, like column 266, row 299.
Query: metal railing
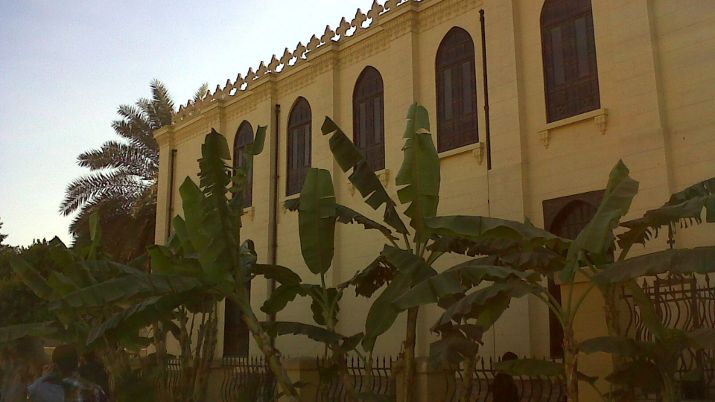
column 528, row 388
column 685, row 302
column 248, row 378
column 377, row 379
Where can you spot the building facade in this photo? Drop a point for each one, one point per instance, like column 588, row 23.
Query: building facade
column 532, row 103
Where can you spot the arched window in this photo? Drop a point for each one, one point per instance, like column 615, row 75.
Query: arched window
column 456, row 91
column 566, row 217
column 298, row 145
column 368, row 117
column 244, row 136
column 569, row 57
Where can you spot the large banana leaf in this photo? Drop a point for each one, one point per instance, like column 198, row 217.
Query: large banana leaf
column 208, row 232
column 684, row 206
column 419, row 174
column 181, row 239
column 638, row 374
column 347, row 215
column 452, row 349
column 61, row 284
column 316, row 220
column 480, row 228
column 454, row 281
column 78, row 270
column 280, row 297
column 165, row 262
column 597, row 236
column 699, row 260
column 372, row 278
column 411, row 270
column 38, row 329
column 487, row 302
column 280, row 274
column 128, row 322
column 127, row 287
column 318, row 334
column 211, row 223
column 362, row 176
column 31, row 278
column 617, row 345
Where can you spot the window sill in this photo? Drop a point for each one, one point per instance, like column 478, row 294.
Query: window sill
column 250, row 212
column 599, row 117
column 383, row 175
column 477, row 150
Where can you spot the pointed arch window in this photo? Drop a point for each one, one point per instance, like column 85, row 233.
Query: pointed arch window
column 368, row 117
column 244, row 136
column 456, row 91
column 569, row 56
column 299, row 126
column 566, row 217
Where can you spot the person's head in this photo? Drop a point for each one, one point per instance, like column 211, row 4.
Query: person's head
column 509, row 356
column 65, row 359
column 88, row 356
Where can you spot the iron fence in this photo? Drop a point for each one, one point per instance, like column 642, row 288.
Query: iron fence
column 377, row 379
column 528, row 388
column 172, row 375
column 685, row 302
column 248, row 378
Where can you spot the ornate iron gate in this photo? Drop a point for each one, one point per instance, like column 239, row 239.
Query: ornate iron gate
column 685, row 302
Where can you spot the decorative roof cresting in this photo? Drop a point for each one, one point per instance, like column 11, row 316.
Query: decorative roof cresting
column 344, row 32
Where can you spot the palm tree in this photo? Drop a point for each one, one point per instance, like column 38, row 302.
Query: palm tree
column 2, row 236
column 122, row 181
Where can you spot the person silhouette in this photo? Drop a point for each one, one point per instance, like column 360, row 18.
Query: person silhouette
column 503, row 387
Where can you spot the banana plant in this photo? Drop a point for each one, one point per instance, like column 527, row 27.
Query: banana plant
column 651, row 366
column 405, row 259
column 318, row 213
column 470, row 309
column 203, row 263
column 590, row 254
column 72, row 323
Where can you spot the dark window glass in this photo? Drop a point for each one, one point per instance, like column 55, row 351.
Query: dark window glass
column 299, row 128
column 456, row 91
column 244, row 136
column 566, row 217
column 569, row 57
column 368, row 117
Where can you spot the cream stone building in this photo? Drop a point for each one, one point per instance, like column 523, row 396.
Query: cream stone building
column 532, row 102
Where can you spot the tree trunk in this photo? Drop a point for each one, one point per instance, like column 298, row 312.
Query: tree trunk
column 264, row 344
column 409, row 355
column 346, row 380
column 570, row 364
column 468, row 376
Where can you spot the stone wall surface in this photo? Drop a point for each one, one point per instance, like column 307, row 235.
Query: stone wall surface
column 657, row 96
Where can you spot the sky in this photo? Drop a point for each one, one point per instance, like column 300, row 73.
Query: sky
column 65, row 67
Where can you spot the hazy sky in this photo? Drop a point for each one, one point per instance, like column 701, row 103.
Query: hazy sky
column 66, row 65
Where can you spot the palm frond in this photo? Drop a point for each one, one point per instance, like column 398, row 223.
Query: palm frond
column 118, row 155
column 101, row 184
column 162, row 102
column 137, row 136
column 201, row 92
